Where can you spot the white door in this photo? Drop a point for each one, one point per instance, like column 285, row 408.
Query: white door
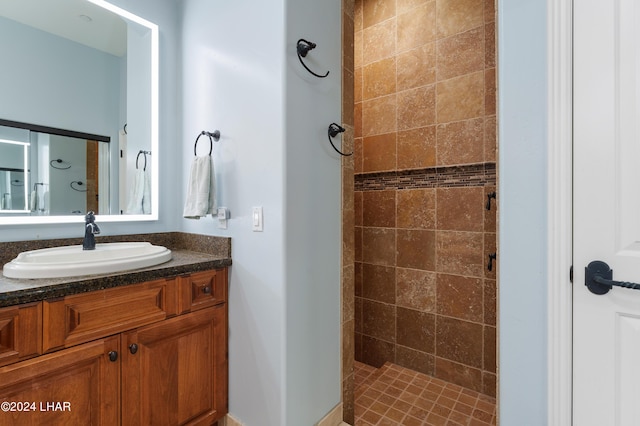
column 606, row 368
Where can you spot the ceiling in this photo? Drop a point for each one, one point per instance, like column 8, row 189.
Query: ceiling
column 77, row 20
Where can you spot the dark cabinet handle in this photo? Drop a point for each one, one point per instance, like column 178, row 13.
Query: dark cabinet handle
column 206, row 290
column 113, row 356
column 133, row 348
column 598, row 277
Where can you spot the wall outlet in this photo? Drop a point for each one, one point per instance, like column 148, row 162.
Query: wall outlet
column 223, row 216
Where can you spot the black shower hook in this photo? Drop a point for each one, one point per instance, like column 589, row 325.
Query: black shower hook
column 489, row 197
column 492, row 257
column 303, row 47
column 333, row 131
column 213, row 136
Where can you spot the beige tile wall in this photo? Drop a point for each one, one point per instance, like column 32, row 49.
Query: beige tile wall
column 424, row 93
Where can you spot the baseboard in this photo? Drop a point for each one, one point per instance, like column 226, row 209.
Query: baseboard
column 228, row 420
column 333, row 418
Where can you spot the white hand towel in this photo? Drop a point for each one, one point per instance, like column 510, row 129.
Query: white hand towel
column 201, row 189
column 146, row 193
column 8, row 205
column 45, row 202
column 33, row 201
column 137, row 193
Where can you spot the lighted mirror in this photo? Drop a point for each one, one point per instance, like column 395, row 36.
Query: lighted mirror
column 80, row 85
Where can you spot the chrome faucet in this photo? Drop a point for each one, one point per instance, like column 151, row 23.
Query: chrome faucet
column 90, row 230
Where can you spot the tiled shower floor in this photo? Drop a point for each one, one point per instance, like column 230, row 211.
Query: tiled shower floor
column 393, row 395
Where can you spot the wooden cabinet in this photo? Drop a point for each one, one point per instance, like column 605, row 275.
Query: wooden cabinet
column 202, row 289
column 174, row 372
column 83, row 317
column 76, row 386
column 135, row 355
column 20, row 332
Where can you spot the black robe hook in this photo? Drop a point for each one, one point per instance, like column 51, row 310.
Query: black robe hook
column 333, row 131
column 489, row 197
column 303, row 47
column 492, row 257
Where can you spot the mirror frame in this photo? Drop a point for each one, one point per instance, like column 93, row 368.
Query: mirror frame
column 155, row 175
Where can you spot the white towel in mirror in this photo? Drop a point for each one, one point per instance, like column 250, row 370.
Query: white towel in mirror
column 136, row 196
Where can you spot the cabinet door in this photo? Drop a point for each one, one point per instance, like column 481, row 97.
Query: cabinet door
column 20, row 332
column 76, row 386
column 176, row 374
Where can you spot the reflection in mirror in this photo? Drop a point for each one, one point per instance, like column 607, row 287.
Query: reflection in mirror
column 62, row 172
column 14, row 183
column 91, row 67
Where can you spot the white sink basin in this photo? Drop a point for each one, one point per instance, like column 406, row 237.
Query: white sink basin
column 71, row 261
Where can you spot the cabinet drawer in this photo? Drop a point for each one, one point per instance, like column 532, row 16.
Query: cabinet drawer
column 81, row 318
column 20, row 332
column 202, row 289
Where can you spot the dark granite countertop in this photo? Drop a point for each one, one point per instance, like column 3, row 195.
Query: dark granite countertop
column 190, row 253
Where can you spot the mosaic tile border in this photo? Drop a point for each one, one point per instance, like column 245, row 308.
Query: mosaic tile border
column 480, row 174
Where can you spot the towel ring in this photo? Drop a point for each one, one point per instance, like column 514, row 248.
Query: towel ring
column 302, row 48
column 59, row 161
column 332, row 132
column 215, row 136
column 144, row 153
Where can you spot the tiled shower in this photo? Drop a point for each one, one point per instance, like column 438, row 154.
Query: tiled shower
column 425, row 172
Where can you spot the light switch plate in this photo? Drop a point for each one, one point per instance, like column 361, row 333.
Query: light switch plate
column 257, row 219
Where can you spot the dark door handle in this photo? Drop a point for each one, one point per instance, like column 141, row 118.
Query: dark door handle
column 598, row 278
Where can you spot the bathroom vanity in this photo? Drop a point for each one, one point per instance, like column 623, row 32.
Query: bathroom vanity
column 148, row 347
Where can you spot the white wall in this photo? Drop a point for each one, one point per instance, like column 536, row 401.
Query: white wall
column 63, row 199
column 241, row 76
column 312, row 212
column 522, row 175
column 233, row 81
column 138, row 113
